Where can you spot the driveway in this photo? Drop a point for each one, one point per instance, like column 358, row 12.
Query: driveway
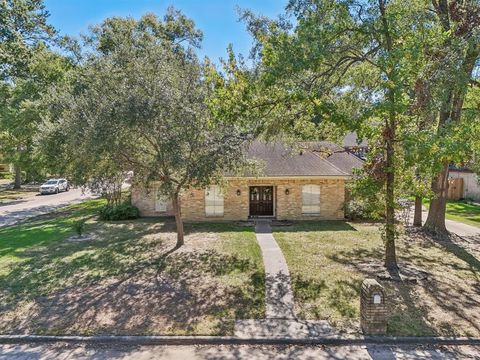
column 17, row 210
column 457, row 227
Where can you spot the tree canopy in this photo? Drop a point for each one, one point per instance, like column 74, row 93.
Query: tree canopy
column 140, row 102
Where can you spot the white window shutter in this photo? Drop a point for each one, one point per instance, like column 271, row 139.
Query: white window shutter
column 214, row 203
column 311, row 199
column 160, row 202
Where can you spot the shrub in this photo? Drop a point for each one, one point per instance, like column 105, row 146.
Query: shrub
column 357, row 209
column 6, row 175
column 124, row 211
column 79, row 226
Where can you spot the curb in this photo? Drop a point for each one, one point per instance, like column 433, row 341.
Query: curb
column 232, row 340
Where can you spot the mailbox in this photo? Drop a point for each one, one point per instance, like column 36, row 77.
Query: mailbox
column 373, row 310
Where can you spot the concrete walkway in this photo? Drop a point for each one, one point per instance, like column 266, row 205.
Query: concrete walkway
column 280, row 320
column 279, row 294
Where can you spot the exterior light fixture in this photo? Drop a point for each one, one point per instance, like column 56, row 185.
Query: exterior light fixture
column 287, row 191
column 239, row 192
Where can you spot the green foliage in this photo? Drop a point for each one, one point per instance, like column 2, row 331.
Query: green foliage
column 79, row 226
column 139, row 102
column 124, row 211
column 23, row 24
column 21, row 109
column 6, row 175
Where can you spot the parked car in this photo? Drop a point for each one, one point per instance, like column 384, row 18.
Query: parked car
column 54, row 186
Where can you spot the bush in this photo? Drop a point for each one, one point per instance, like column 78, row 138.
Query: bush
column 6, row 175
column 79, row 226
column 356, row 209
column 124, row 211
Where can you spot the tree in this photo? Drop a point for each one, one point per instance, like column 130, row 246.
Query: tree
column 23, row 24
column 23, row 31
column 457, row 57
column 344, row 65
column 141, row 101
column 21, row 107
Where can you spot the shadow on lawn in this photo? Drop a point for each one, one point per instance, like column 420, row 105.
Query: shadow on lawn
column 324, row 225
column 409, row 309
column 127, row 286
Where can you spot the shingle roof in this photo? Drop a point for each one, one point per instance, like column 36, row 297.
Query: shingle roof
column 351, row 140
column 345, row 161
column 306, row 159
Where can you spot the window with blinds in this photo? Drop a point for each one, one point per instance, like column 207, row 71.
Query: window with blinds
column 213, row 201
column 311, row 199
column 161, row 202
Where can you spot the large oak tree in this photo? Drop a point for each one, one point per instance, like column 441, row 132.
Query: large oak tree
column 141, row 100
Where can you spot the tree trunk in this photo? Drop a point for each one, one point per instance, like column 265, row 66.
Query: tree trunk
column 417, row 215
column 18, row 176
column 390, row 252
column 436, row 213
column 389, row 137
column 178, row 219
column 451, row 113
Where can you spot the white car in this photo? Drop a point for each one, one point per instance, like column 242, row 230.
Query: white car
column 54, row 186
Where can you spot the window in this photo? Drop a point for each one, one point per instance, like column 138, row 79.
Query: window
column 160, row 202
column 213, row 201
column 311, row 199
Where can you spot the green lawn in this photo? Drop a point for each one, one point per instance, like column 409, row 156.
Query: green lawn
column 464, row 212
column 461, row 211
column 328, row 261
column 7, row 195
column 128, row 280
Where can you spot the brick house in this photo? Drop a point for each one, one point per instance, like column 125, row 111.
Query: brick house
column 295, row 183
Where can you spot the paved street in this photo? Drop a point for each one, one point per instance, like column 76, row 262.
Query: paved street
column 17, row 210
column 112, row 351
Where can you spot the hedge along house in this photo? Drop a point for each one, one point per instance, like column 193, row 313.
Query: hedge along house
column 295, row 184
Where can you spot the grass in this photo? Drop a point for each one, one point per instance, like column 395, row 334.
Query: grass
column 462, row 211
column 129, row 279
column 7, row 195
column 329, row 260
column 467, row 213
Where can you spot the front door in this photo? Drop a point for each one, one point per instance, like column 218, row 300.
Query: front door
column 261, row 201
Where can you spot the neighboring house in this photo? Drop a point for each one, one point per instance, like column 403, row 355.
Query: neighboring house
column 354, row 145
column 467, row 182
column 307, row 182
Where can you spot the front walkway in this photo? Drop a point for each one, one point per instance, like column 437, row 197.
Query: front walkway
column 280, row 319
column 279, row 295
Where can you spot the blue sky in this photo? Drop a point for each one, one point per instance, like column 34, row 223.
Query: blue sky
column 218, row 19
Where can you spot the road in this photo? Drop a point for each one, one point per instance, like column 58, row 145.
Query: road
column 17, row 210
column 112, row 351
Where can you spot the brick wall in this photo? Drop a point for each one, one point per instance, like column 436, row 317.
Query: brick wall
column 373, row 313
column 236, row 207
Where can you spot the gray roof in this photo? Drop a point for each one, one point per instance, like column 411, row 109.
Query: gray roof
column 345, row 161
column 303, row 159
column 351, row 140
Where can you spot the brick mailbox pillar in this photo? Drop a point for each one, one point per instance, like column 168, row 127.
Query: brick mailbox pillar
column 373, row 309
